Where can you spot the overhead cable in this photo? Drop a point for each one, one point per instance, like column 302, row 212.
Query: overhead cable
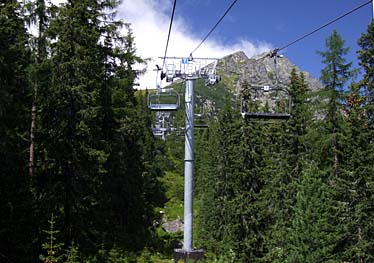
column 170, row 26
column 323, row 26
column 219, row 21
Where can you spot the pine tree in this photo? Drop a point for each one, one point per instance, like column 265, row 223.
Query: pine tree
column 229, row 190
column 94, row 151
column 365, row 55
column 16, row 221
column 313, row 233
column 72, row 254
column 70, row 157
column 208, row 192
column 132, row 182
column 52, row 246
column 38, row 73
column 334, row 76
column 356, row 184
column 89, row 142
column 285, row 156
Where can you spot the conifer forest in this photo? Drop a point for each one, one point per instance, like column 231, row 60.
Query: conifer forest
column 84, row 179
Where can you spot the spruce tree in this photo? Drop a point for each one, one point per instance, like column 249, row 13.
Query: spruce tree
column 70, row 156
column 52, row 246
column 285, row 156
column 38, row 72
column 366, row 61
column 313, row 232
column 356, row 184
column 207, row 192
column 229, row 190
column 16, row 222
column 90, row 143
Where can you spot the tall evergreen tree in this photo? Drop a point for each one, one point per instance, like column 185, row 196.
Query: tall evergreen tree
column 286, row 154
column 15, row 206
column 365, row 55
column 132, row 179
column 88, row 148
column 208, row 191
column 330, row 126
column 94, row 154
column 38, row 72
column 70, row 157
column 334, row 76
column 313, row 234
column 356, row 184
column 230, row 190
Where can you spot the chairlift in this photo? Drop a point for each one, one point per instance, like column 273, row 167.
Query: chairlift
column 267, row 101
column 212, row 79
column 170, row 73
column 202, row 116
column 161, row 126
column 211, row 75
column 158, row 131
column 164, row 100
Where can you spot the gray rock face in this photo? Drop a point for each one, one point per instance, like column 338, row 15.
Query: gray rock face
column 260, row 70
column 173, row 226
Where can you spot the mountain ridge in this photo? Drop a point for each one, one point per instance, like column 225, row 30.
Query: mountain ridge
column 237, row 67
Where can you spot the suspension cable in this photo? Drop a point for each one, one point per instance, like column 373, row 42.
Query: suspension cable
column 170, row 26
column 323, row 26
column 219, row 21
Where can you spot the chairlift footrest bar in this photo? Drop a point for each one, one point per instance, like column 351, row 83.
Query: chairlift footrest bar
column 201, row 126
column 266, row 115
column 163, row 107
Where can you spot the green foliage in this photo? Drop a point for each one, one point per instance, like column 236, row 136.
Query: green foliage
column 72, row 254
column 285, row 155
column 52, row 247
column 173, row 182
column 16, row 220
column 355, row 185
column 365, row 56
column 313, row 233
column 295, row 191
column 115, row 255
column 229, row 179
column 334, row 76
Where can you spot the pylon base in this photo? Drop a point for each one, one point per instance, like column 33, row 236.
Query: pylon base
column 185, row 255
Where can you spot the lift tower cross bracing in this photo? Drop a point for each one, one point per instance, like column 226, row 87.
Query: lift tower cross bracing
column 189, row 71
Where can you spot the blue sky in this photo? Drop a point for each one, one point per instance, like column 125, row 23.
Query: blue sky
column 280, row 22
column 251, row 26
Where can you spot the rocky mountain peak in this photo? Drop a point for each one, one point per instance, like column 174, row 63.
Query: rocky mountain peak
column 259, row 70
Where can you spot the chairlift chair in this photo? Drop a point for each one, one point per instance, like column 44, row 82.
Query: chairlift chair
column 280, row 99
column 202, row 116
column 170, row 73
column 161, row 127
column 157, row 131
column 275, row 105
column 164, row 100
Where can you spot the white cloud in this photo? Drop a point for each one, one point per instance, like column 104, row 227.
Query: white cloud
column 150, row 22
